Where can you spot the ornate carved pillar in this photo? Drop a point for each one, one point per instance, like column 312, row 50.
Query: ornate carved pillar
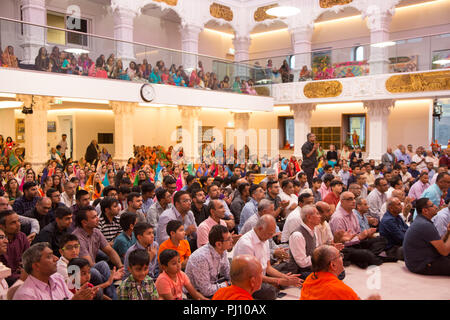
column 124, row 14
column 190, row 138
column 301, row 44
column 123, row 130
column 33, row 11
column 189, row 43
column 302, row 119
column 36, row 151
column 378, row 21
column 378, row 112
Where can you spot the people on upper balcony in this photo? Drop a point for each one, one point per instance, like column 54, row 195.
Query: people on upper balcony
column 305, row 74
column 42, row 60
column 225, row 83
column 97, row 69
column 285, row 71
column 55, row 59
column 237, row 85
column 9, row 60
column 109, row 66
column 146, row 69
column 131, row 70
column 84, row 62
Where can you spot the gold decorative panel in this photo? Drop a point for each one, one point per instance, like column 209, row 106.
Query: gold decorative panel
column 417, row 82
column 322, row 89
column 261, row 15
column 169, row 2
column 221, row 12
column 332, row 3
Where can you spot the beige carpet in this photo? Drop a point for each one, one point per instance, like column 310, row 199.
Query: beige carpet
column 392, row 281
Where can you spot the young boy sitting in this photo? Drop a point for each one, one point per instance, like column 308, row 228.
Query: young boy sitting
column 126, row 239
column 170, row 283
column 80, row 273
column 176, row 241
column 138, row 285
column 145, row 240
column 100, row 273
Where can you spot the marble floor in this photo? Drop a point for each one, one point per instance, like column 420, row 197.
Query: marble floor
column 392, row 281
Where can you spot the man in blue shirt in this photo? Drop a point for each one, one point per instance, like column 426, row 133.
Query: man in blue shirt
column 435, row 191
column 29, row 199
column 393, row 228
column 251, row 207
column 425, row 252
column 441, row 220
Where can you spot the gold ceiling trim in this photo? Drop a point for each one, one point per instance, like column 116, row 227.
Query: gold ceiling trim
column 418, row 82
column 221, row 12
column 323, row 89
column 332, row 3
column 261, row 14
column 169, row 2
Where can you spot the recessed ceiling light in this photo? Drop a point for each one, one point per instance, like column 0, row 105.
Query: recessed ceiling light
column 283, row 11
column 383, row 44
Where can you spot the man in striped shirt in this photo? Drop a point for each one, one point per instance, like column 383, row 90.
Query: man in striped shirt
column 109, row 221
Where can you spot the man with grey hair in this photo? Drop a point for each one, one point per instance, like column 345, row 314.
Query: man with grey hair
column 265, row 206
column 255, row 243
column 293, row 220
column 43, row 282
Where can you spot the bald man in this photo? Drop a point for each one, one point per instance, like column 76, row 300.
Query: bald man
column 41, row 212
column 246, row 278
column 255, row 243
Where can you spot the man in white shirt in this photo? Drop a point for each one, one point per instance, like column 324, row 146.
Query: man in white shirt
column 287, row 194
column 68, row 196
column 406, row 176
column 293, row 221
column 63, row 144
column 377, row 197
column 419, row 158
column 255, row 243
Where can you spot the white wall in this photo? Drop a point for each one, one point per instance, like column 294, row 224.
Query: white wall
column 7, row 123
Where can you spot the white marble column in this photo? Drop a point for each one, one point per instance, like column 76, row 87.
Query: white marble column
column 378, row 22
column 241, row 53
column 36, row 129
column 123, row 130
column 301, row 44
column 123, row 30
column 190, row 131
column 302, row 119
column 189, row 43
column 378, row 112
column 33, row 11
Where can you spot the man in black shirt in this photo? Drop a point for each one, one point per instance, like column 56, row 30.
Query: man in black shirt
column 198, row 205
column 309, row 152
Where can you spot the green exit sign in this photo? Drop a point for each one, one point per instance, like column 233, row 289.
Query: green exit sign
column 58, row 101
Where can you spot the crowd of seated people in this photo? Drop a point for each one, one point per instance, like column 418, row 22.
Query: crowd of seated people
column 157, row 225
column 113, row 68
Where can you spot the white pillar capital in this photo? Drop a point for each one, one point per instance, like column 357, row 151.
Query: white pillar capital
column 378, row 112
column 189, row 44
column 241, row 116
column 123, row 108
column 36, row 129
column 302, row 119
column 124, row 13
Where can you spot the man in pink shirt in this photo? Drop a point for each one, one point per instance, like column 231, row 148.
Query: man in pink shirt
column 361, row 248
column 419, row 187
column 325, row 189
column 43, row 282
column 216, row 211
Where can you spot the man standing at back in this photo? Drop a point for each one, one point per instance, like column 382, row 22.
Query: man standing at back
column 309, row 152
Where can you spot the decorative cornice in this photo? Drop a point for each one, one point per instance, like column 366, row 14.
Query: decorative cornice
column 322, row 89
column 331, row 3
column 221, row 12
column 261, row 15
column 419, row 82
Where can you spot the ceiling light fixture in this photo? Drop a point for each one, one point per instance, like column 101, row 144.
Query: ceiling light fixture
column 80, row 100
column 10, row 104
column 383, row 44
column 76, row 50
column 283, row 11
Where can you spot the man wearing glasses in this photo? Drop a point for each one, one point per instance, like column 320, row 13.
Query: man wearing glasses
column 424, row 250
column 361, row 248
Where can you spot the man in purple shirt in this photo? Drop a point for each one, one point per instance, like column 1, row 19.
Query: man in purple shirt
column 17, row 244
column 419, row 187
column 361, row 248
column 43, row 283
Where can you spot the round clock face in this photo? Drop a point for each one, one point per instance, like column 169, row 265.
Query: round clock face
column 147, row 93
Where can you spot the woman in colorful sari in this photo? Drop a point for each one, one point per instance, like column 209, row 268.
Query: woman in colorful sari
column 9, row 60
column 81, row 175
column 94, row 186
column 15, row 160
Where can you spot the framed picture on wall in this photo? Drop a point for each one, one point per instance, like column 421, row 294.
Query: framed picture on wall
column 20, row 130
column 51, row 126
column 179, row 134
